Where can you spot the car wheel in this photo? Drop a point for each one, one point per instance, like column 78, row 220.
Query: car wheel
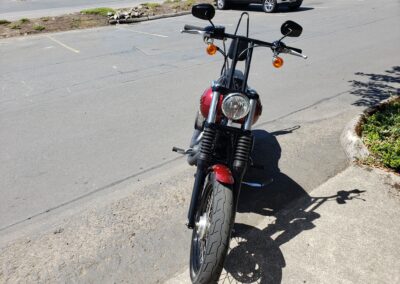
column 269, row 6
column 221, row 4
column 296, row 5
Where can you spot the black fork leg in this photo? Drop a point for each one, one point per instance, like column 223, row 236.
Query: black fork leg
column 203, row 162
column 196, row 193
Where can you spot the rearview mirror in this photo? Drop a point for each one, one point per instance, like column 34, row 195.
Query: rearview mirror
column 203, row 11
column 292, row 29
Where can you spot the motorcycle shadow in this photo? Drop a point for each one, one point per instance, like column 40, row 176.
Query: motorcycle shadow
column 255, row 255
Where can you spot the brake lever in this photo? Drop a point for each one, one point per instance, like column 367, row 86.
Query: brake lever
column 194, row 32
column 295, row 53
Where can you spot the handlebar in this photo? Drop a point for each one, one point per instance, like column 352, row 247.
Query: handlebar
column 193, row 28
column 298, row 50
column 219, row 33
column 294, row 51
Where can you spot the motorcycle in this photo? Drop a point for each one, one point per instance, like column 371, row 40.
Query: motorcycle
column 222, row 141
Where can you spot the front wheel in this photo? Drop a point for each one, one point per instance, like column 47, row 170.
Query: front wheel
column 269, row 6
column 211, row 235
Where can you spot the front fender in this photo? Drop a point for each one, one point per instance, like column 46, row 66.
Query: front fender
column 223, row 174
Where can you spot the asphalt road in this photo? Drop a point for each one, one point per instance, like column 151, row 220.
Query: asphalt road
column 82, row 112
column 14, row 10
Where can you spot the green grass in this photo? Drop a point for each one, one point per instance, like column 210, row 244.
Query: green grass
column 103, row 11
column 188, row 3
column 181, row 3
column 24, row 20
column 76, row 23
column 4, row 22
column 381, row 134
column 15, row 26
column 38, row 28
column 151, row 5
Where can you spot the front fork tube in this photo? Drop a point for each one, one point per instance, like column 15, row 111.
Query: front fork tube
column 242, row 152
column 203, row 162
column 199, row 180
column 243, row 149
column 240, row 163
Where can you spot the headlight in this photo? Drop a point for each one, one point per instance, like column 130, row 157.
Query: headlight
column 235, row 106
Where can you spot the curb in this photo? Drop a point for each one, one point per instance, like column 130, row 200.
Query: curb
column 148, row 18
column 351, row 141
column 350, row 138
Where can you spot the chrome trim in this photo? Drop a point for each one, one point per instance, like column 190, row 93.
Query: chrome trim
column 249, row 119
column 212, row 113
column 202, row 226
column 193, row 32
column 253, row 184
column 198, row 140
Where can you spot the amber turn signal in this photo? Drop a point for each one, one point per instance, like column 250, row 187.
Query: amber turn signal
column 212, row 49
column 277, row 62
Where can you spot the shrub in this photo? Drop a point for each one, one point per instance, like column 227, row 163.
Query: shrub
column 381, row 134
column 103, row 11
column 4, row 22
column 38, row 28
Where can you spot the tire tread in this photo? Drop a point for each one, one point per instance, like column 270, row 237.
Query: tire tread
column 219, row 235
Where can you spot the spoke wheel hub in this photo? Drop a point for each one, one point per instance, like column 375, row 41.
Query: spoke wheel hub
column 202, row 226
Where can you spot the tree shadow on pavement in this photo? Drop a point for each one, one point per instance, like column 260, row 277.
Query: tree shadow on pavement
column 255, row 255
column 373, row 88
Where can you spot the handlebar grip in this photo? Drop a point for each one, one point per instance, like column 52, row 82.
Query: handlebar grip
column 190, row 27
column 295, row 49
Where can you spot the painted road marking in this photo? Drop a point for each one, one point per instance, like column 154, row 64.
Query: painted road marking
column 63, row 44
column 140, row 32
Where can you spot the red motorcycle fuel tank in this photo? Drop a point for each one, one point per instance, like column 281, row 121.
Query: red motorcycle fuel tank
column 205, row 103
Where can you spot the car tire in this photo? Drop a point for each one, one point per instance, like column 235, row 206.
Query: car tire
column 296, row 5
column 222, row 4
column 269, row 6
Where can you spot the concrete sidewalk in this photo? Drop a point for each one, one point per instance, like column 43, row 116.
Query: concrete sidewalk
column 346, row 231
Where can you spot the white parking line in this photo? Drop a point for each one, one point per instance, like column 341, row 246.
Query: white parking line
column 62, row 44
column 139, row 32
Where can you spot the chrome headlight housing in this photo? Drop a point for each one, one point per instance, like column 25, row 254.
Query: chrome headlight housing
column 235, row 106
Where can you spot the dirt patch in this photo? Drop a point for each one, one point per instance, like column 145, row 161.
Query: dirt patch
column 52, row 24
column 85, row 19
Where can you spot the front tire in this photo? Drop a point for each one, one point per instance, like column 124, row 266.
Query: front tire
column 211, row 235
column 270, row 6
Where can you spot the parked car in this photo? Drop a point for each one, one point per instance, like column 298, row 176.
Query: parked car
column 269, row 6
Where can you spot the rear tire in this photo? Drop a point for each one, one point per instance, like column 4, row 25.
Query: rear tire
column 208, row 253
column 269, row 6
column 296, row 5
